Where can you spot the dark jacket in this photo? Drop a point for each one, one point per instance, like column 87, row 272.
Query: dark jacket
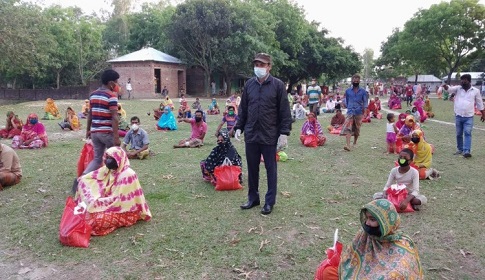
column 264, row 112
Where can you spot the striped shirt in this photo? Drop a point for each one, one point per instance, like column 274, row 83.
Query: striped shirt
column 313, row 93
column 101, row 102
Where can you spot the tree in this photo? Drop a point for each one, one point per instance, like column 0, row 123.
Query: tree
column 368, row 61
column 450, row 30
column 148, row 28
column 196, row 29
column 23, row 46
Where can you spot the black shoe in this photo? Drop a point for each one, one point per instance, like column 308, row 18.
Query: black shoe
column 250, row 204
column 458, row 153
column 266, row 209
column 467, row 155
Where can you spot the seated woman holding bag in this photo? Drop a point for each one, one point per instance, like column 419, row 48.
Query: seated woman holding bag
column 312, row 129
column 379, row 250
column 405, row 175
column 113, row 194
column 223, row 150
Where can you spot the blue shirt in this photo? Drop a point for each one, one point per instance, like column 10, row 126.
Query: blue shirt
column 136, row 140
column 356, row 102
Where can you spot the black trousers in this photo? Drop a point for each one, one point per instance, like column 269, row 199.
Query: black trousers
column 253, row 157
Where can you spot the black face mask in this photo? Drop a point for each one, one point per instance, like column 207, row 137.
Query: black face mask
column 376, row 231
column 198, row 119
column 465, row 86
column 415, row 140
column 111, row 163
column 355, row 84
column 403, row 162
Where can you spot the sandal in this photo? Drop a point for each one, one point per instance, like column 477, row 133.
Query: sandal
column 347, row 148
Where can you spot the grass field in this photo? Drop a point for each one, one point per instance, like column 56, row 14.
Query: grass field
column 198, row 233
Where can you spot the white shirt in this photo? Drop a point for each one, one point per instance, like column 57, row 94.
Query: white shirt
column 390, row 127
column 330, row 104
column 465, row 101
column 410, row 179
column 128, row 86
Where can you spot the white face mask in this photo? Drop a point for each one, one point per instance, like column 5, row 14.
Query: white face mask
column 260, row 72
column 135, row 127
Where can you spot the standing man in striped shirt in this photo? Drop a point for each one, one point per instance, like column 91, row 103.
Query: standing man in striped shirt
column 102, row 124
column 314, row 95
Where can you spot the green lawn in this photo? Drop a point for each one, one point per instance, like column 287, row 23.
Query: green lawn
column 198, row 233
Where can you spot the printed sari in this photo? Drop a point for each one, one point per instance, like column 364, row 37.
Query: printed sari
column 114, row 198
column 35, row 134
column 393, row 255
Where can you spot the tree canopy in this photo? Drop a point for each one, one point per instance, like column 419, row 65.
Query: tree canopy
column 443, row 39
column 56, row 46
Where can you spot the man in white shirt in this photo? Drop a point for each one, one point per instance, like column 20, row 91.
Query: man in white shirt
column 465, row 97
column 330, row 105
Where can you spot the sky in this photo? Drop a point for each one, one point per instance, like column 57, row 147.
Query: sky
column 361, row 24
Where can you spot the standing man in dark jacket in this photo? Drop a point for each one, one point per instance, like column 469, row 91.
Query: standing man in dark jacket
column 265, row 118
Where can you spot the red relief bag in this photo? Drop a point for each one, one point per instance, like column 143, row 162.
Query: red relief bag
column 74, row 230
column 86, row 156
column 332, row 260
column 227, row 176
column 396, row 194
column 310, row 141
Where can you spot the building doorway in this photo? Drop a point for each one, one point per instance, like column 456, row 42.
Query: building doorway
column 181, row 82
column 157, row 81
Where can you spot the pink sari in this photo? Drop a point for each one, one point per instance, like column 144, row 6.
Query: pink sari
column 34, row 132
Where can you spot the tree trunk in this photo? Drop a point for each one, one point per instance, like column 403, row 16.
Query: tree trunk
column 58, row 79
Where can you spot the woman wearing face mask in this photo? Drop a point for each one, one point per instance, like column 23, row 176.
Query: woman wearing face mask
column 379, row 250
column 423, row 156
column 113, row 194
column 217, row 156
column 33, row 135
column 312, row 127
column 406, row 175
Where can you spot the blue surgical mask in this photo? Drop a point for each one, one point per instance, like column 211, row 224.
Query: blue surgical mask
column 260, row 72
column 33, row 121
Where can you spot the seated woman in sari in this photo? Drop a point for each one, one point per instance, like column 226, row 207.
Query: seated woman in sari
column 84, row 110
column 312, row 128
column 373, row 109
column 419, row 103
column 378, row 250
column 123, row 125
column 336, row 123
column 423, row 155
column 113, row 194
column 168, row 102
column 13, row 126
column 366, row 116
column 213, row 108
column 217, row 156
column 404, row 134
column 394, row 102
column 428, row 108
column 33, row 135
column 167, row 120
column 71, row 121
column 51, row 110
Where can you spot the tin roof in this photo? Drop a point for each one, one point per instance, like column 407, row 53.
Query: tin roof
column 424, row 79
column 148, row 54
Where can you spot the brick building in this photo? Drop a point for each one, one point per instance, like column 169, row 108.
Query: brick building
column 150, row 70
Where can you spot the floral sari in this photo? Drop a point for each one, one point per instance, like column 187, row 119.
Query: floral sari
column 114, row 198
column 393, row 255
